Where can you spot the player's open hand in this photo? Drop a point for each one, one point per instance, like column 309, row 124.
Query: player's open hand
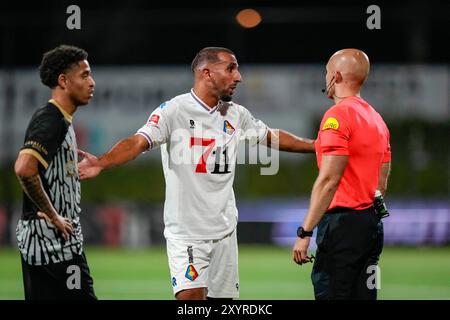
column 299, row 251
column 64, row 225
column 88, row 167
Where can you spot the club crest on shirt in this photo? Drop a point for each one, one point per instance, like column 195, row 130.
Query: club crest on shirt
column 191, row 273
column 331, row 123
column 227, row 127
column 153, row 120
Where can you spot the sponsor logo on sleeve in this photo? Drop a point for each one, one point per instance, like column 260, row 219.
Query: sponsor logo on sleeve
column 331, row 123
column 153, row 120
column 37, row 146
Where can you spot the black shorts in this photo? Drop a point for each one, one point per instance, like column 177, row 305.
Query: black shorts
column 349, row 244
column 58, row 281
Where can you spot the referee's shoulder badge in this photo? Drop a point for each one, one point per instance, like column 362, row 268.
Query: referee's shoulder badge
column 331, row 123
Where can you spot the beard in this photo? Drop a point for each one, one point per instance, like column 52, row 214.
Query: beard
column 223, row 94
column 226, row 97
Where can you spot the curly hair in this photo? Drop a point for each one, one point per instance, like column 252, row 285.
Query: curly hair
column 57, row 61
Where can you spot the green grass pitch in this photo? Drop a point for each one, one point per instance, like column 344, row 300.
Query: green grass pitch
column 266, row 273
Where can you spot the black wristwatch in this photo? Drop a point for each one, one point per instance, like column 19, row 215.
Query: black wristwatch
column 302, row 233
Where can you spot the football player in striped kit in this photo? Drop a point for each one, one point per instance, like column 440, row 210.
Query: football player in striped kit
column 49, row 233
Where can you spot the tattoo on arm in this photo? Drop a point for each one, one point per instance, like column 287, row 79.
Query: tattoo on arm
column 34, row 189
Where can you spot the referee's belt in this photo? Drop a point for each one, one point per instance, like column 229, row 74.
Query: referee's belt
column 338, row 210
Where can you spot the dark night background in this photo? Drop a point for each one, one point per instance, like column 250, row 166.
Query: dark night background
column 148, row 32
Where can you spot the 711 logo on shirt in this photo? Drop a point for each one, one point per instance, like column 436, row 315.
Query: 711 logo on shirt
column 210, row 145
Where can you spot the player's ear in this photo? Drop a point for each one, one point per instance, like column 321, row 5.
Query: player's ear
column 62, row 80
column 206, row 73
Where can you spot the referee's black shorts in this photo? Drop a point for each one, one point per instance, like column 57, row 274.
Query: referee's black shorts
column 348, row 243
column 68, row 280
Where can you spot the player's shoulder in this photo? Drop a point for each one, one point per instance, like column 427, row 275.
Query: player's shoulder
column 47, row 119
column 48, row 110
column 47, row 115
column 180, row 99
column 171, row 106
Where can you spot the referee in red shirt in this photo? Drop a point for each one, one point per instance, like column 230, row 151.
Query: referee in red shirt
column 353, row 155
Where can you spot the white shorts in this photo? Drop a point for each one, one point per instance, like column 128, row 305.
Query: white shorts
column 211, row 264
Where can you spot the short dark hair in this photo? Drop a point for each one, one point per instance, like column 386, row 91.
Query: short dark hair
column 57, row 61
column 209, row 54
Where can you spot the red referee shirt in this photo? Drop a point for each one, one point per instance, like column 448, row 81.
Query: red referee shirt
column 353, row 128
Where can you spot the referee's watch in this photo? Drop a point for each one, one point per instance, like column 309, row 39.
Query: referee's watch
column 302, row 233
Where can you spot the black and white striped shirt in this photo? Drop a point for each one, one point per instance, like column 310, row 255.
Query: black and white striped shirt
column 51, row 139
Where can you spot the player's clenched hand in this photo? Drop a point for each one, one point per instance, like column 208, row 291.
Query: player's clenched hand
column 88, row 167
column 62, row 224
column 300, row 249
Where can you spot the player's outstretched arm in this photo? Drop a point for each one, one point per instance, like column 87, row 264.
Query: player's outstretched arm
column 286, row 141
column 123, row 152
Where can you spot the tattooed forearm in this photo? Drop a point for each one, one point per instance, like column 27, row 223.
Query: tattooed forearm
column 35, row 191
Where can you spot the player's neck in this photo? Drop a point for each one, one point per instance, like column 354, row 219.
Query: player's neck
column 64, row 102
column 204, row 94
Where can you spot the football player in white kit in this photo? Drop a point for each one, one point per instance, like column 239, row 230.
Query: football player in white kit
column 199, row 133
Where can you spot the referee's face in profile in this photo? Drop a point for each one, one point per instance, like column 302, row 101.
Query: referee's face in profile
column 80, row 84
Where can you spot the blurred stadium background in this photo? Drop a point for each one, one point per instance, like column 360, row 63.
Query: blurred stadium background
column 140, row 54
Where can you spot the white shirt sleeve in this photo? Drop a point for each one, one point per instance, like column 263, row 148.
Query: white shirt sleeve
column 157, row 128
column 253, row 129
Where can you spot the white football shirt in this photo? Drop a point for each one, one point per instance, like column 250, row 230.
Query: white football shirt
column 199, row 150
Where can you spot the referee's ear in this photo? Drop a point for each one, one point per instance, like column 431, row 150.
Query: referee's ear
column 338, row 77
